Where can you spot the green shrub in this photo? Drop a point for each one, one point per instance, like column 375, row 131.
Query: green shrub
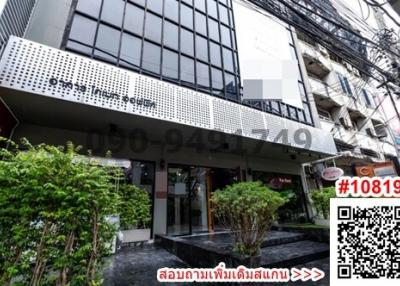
column 248, row 210
column 134, row 208
column 321, row 200
column 54, row 205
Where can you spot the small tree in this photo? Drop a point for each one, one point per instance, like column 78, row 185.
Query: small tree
column 321, row 200
column 248, row 210
column 54, row 205
column 134, row 208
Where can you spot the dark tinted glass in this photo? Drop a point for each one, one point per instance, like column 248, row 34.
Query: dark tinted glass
column 215, row 54
column 151, row 57
column 155, row 6
column 171, row 35
column 113, row 12
column 90, row 7
column 201, row 23
column 170, row 64
column 212, row 8
column 82, row 33
column 153, row 27
column 201, row 48
column 134, row 19
column 171, row 10
column 171, row 39
column 187, row 42
column 187, row 16
column 130, row 51
column 187, row 70
column 203, row 77
column 107, row 43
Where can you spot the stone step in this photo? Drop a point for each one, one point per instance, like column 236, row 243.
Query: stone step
column 292, row 254
column 281, row 237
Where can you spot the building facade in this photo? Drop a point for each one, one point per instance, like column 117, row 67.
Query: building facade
column 351, row 107
column 160, row 85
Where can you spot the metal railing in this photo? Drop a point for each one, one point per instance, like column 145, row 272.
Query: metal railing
column 14, row 19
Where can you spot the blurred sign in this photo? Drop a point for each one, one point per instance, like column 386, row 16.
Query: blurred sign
column 332, row 174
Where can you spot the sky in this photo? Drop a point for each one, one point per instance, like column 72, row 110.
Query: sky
column 2, row 2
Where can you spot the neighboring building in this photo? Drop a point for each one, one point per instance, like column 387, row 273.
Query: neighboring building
column 347, row 104
column 14, row 17
column 159, row 83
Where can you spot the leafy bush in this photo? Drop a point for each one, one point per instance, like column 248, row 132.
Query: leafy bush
column 248, row 210
column 134, row 208
column 321, row 200
column 54, row 205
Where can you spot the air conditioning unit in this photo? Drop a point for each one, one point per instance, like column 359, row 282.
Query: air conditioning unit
column 345, row 123
column 323, row 50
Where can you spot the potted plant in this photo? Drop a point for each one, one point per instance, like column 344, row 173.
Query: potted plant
column 134, row 211
column 321, row 202
column 248, row 210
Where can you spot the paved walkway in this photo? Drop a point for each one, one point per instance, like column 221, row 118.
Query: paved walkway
column 138, row 266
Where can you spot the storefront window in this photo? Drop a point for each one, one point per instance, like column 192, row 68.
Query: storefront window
column 290, row 187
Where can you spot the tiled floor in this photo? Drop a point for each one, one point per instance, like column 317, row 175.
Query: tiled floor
column 138, row 266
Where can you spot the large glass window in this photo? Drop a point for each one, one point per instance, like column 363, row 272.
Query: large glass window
column 171, row 35
column 112, row 10
column 89, row 7
column 151, row 57
column 131, row 48
column 172, row 10
column 201, row 48
column 203, row 75
column 168, row 39
column 134, row 19
column 187, row 70
column 81, row 37
column 153, row 27
column 107, row 43
column 187, row 42
column 170, row 64
column 187, row 16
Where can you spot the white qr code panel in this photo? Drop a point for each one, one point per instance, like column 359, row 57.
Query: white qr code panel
column 365, row 242
column 44, row 71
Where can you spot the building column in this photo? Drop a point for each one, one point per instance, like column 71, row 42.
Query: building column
column 160, row 202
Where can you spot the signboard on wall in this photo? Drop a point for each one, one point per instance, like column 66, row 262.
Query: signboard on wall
column 383, row 170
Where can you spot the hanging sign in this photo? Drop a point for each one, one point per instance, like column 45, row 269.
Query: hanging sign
column 332, row 174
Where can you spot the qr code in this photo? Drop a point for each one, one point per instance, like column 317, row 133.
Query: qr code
column 365, row 241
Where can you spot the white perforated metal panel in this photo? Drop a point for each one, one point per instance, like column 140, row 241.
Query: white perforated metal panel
column 45, row 71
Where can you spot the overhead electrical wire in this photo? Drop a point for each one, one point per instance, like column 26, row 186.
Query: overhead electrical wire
column 280, row 9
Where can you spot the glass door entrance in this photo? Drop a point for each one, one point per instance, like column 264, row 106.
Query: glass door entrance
column 187, row 200
column 189, row 191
